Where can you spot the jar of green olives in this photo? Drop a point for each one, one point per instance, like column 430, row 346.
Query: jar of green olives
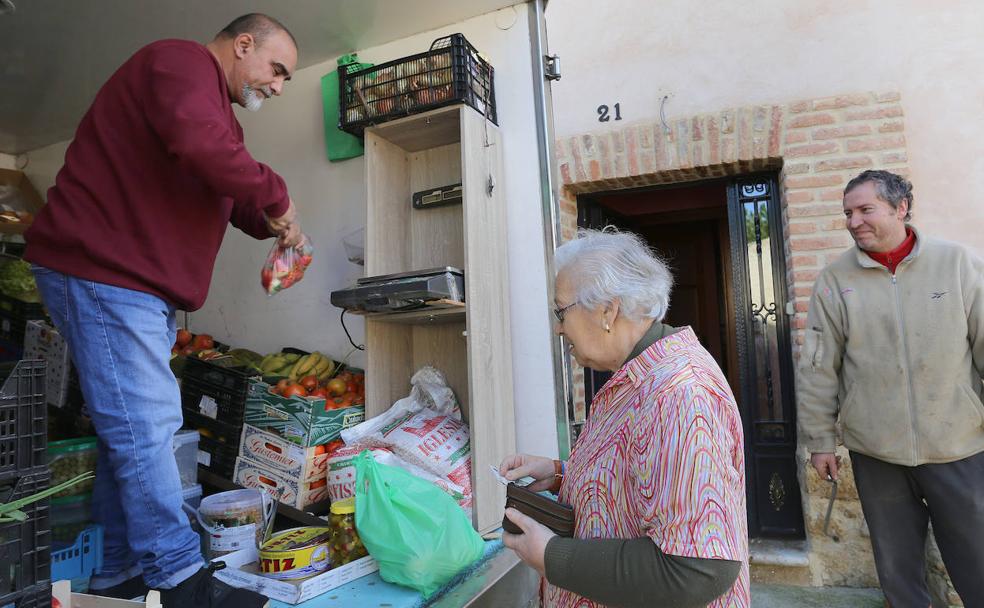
column 345, row 544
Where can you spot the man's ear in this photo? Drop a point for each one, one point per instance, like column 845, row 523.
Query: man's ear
column 903, row 209
column 243, row 44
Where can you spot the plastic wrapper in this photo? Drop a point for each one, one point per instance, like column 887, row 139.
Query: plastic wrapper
column 285, row 266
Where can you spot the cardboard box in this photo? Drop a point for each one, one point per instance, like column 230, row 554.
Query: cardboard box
column 298, row 419
column 42, row 341
column 289, row 458
column 241, row 571
column 288, row 490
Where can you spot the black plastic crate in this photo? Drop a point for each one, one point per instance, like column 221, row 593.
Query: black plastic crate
column 23, row 419
column 35, row 596
column 215, row 390
column 25, row 547
column 218, row 443
column 451, row 72
column 14, row 315
column 218, row 457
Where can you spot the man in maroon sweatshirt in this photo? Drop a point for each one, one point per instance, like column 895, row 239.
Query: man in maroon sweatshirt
column 130, row 233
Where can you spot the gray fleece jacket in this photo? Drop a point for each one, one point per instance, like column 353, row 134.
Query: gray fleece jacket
column 896, row 361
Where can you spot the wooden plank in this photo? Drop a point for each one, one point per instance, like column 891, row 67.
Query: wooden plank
column 438, row 311
column 389, row 353
column 490, row 376
column 387, row 207
column 436, row 235
column 422, row 131
column 445, row 347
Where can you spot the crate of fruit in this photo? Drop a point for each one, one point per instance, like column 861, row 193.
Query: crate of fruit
column 451, row 72
column 216, row 390
column 24, row 432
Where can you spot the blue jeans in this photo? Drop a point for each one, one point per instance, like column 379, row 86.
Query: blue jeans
column 120, row 341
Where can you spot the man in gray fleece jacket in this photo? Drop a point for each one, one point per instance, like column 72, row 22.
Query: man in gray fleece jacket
column 894, row 356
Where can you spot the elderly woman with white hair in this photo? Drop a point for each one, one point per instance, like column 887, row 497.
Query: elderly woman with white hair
column 656, row 478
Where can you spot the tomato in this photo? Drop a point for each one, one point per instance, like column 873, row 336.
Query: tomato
column 293, row 389
column 309, row 382
column 279, row 389
column 183, row 338
column 320, row 449
column 187, row 351
column 333, row 445
column 336, row 386
column 202, row 341
column 340, row 402
column 266, row 277
column 351, row 387
column 320, row 392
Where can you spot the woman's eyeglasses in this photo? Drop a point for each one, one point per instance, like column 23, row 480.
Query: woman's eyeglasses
column 559, row 312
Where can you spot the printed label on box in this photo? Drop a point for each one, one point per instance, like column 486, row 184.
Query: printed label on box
column 270, row 449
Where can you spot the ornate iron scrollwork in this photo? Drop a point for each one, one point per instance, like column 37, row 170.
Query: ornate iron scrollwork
column 777, row 491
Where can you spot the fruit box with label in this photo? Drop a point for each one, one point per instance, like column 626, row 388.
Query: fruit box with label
column 286, row 489
column 300, row 420
column 268, row 449
column 241, row 571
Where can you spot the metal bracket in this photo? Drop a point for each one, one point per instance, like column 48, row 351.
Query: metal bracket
column 551, row 67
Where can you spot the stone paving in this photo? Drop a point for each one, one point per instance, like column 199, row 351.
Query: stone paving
column 786, row 596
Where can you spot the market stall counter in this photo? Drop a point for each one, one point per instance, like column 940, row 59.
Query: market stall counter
column 497, row 579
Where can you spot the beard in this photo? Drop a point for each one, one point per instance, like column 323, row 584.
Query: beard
column 252, row 98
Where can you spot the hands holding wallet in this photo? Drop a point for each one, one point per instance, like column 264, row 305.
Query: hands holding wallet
column 556, row 516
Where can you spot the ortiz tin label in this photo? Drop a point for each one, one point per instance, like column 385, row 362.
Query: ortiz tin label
column 296, row 553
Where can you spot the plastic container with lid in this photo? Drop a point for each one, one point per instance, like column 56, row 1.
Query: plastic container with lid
column 346, row 546
column 234, row 520
column 70, row 458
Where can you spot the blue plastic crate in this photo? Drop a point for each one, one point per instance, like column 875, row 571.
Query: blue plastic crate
column 80, row 560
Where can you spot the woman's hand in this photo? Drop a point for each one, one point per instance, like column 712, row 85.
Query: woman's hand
column 520, row 465
column 531, row 545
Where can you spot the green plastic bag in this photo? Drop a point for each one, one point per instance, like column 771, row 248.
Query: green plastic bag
column 417, row 534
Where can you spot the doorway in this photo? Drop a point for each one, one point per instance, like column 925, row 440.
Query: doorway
column 723, row 242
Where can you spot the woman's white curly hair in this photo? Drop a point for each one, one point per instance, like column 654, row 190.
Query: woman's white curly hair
column 607, row 264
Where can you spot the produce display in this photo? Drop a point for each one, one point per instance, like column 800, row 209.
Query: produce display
column 296, row 365
column 17, row 281
column 189, row 344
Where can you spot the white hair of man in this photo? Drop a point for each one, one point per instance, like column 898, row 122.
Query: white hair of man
column 605, row 265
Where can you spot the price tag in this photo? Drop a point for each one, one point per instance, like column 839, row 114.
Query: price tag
column 204, row 458
column 208, row 407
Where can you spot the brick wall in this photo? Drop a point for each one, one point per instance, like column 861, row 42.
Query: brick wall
column 817, row 145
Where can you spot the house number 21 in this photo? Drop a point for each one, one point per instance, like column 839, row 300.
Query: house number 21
column 603, row 115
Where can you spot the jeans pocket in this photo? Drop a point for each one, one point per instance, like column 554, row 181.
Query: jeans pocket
column 40, row 269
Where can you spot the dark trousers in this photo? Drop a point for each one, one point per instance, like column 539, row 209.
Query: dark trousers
column 898, row 503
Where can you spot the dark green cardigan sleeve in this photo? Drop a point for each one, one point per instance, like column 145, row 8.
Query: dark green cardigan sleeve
column 627, row 573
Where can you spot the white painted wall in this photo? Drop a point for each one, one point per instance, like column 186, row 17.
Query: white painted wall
column 715, row 55
column 8, row 161
column 288, row 135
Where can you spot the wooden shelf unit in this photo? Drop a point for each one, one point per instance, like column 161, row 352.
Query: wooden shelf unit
column 471, row 345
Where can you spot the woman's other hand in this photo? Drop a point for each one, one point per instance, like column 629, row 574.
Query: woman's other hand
column 531, row 545
column 521, row 465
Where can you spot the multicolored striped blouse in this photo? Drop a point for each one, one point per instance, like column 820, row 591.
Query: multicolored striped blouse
column 661, row 455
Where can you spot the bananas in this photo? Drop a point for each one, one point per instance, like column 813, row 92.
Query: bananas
column 295, row 366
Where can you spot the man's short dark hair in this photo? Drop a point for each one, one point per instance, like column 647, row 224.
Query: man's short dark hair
column 890, row 187
column 257, row 25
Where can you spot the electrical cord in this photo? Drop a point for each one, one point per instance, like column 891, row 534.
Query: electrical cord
column 348, row 335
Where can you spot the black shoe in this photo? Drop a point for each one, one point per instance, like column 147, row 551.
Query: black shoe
column 202, row 590
column 127, row 590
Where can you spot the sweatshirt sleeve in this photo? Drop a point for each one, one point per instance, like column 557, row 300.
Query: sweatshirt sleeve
column 184, row 110
column 819, row 367
column 634, row 572
column 973, row 295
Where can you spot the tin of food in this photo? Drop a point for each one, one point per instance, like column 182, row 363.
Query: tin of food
column 296, row 553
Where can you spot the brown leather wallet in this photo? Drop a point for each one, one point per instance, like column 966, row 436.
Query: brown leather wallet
column 552, row 514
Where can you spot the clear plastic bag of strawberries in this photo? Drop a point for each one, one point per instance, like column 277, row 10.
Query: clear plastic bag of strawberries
column 285, row 266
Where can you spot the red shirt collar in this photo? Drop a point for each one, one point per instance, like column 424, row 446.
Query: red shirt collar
column 891, row 259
